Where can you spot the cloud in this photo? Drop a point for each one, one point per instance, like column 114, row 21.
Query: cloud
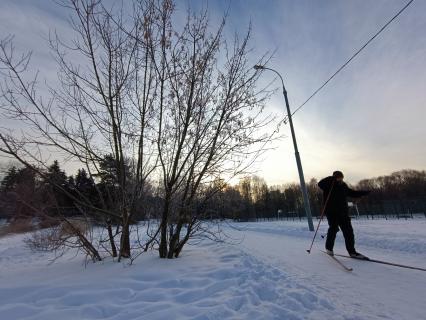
column 368, row 121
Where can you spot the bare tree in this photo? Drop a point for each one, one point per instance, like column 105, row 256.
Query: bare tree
column 167, row 104
column 100, row 107
column 210, row 119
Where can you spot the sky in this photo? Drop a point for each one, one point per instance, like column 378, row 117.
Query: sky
column 368, row 121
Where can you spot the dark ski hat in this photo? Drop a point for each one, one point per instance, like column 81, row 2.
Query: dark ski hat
column 338, row 174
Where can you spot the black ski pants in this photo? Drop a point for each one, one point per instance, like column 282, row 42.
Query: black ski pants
column 344, row 223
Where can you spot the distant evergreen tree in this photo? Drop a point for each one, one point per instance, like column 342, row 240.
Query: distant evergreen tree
column 58, row 188
column 18, row 193
column 71, row 182
column 55, row 175
column 108, row 171
column 9, row 180
column 84, row 185
column 15, row 177
column 109, row 181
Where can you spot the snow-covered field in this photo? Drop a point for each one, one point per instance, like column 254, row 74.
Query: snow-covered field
column 265, row 274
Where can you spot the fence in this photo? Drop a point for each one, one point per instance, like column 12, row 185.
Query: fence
column 393, row 209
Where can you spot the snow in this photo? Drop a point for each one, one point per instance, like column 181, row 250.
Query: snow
column 264, row 274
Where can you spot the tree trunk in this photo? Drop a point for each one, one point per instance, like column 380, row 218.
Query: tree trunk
column 179, row 247
column 111, row 240
column 174, row 240
column 125, row 238
column 163, row 237
column 90, row 249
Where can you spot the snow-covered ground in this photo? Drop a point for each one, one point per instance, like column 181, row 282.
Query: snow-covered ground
column 265, row 274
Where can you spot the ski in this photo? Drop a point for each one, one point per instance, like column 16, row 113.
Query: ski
column 338, row 262
column 384, row 262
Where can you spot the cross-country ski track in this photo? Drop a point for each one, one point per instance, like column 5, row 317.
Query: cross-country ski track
column 261, row 271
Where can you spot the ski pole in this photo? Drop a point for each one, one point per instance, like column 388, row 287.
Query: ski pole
column 322, row 215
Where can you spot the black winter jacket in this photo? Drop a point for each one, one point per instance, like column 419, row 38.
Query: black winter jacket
column 337, row 203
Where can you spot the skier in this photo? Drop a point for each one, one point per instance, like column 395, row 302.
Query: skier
column 337, row 212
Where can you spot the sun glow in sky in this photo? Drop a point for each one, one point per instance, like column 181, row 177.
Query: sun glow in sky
column 369, row 121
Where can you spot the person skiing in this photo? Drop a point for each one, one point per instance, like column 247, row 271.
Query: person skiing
column 337, row 212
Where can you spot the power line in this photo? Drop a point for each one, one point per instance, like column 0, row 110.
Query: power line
column 351, row 58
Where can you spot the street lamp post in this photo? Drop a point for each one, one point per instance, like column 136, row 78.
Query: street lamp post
column 296, row 151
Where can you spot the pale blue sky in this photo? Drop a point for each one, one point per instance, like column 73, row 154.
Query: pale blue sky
column 369, row 121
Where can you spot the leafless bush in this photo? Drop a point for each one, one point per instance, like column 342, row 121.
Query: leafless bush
column 17, row 226
column 69, row 233
column 48, row 222
column 42, row 240
column 71, row 226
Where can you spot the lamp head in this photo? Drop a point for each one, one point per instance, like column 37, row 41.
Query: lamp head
column 259, row 67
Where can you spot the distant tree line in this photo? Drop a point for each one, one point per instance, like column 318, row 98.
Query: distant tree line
column 22, row 190
column 402, row 192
